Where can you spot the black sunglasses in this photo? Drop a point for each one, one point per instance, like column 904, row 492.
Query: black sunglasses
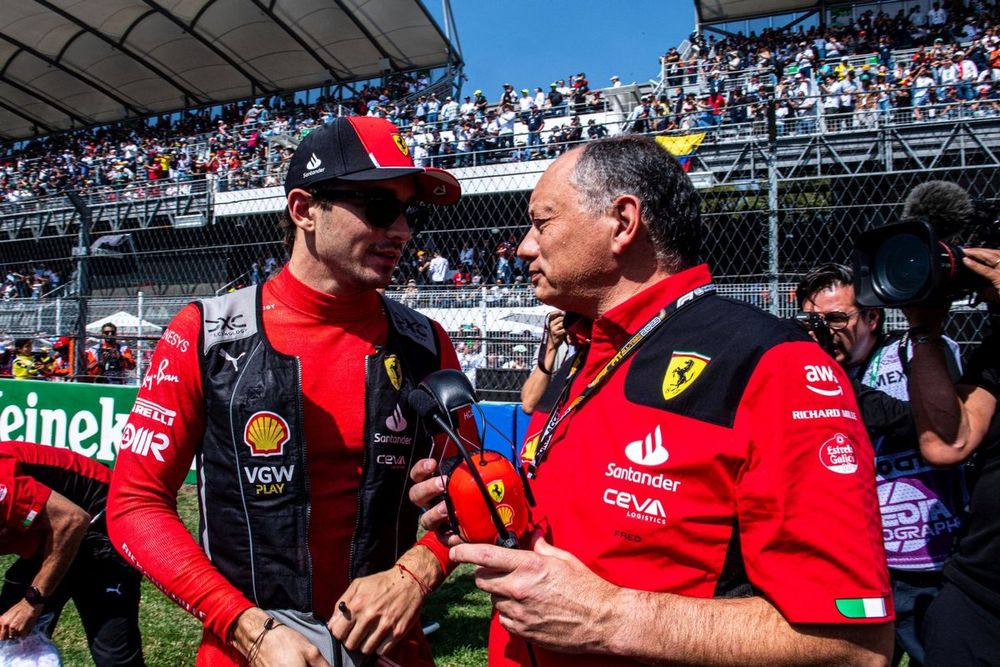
column 382, row 208
column 838, row 320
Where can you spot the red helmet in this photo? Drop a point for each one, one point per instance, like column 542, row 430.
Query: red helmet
column 468, row 507
column 61, row 342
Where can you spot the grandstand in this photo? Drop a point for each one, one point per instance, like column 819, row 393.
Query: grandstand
column 187, row 206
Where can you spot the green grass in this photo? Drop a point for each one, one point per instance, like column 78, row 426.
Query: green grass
column 170, row 636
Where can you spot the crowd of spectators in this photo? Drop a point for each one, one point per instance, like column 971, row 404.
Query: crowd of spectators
column 917, row 66
column 31, row 283
column 942, row 63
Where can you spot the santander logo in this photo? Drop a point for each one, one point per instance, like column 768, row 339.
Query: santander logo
column 649, row 451
column 314, row 162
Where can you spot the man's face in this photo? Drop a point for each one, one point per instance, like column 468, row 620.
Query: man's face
column 567, row 248
column 343, row 254
column 109, row 334
column 854, row 342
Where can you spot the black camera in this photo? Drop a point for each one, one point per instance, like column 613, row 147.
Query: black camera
column 918, row 260
column 814, row 324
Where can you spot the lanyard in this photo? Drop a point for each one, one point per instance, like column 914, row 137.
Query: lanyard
column 638, row 338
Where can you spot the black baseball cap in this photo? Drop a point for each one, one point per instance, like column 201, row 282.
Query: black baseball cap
column 363, row 148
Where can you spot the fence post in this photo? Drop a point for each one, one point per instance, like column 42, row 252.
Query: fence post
column 139, row 342
column 772, row 225
column 83, row 277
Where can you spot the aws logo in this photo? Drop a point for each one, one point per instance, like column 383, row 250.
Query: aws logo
column 822, row 380
column 683, row 370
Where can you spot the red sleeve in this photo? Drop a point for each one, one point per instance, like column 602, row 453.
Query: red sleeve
column 810, row 528
column 21, row 501
column 166, row 427
column 466, row 429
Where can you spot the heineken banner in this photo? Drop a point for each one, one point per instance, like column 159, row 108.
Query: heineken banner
column 86, row 418
column 89, row 418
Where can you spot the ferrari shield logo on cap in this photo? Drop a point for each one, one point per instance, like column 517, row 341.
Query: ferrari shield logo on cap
column 684, row 369
column 401, row 145
column 394, row 371
column 496, row 489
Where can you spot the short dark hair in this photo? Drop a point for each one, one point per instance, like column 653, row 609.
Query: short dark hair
column 830, row 275
column 639, row 166
column 823, row 277
column 109, row 325
column 21, row 342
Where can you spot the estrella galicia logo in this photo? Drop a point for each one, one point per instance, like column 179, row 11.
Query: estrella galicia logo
column 221, row 325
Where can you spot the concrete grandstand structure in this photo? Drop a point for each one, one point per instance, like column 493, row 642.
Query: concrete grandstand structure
column 778, row 198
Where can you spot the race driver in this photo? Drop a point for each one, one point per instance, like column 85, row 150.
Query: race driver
column 291, row 397
column 704, row 487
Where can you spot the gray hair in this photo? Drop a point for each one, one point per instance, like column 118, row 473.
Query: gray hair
column 639, row 166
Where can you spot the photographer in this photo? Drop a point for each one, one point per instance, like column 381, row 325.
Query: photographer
column 112, row 361
column 916, row 543
column 954, row 422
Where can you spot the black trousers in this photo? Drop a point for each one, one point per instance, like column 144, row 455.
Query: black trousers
column 960, row 632
column 105, row 590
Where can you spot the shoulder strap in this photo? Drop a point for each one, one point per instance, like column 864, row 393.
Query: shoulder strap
column 411, row 325
column 229, row 317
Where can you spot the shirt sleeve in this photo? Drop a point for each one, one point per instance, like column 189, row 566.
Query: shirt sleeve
column 21, row 501
column 158, row 445
column 809, row 522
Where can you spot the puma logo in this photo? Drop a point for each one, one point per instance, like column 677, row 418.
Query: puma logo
column 233, row 360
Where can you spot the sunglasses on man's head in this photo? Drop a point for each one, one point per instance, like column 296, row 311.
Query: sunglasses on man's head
column 382, row 207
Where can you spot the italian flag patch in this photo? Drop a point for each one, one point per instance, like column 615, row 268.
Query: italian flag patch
column 862, row 607
column 28, row 519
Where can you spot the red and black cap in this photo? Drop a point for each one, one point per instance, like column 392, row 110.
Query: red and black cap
column 363, row 148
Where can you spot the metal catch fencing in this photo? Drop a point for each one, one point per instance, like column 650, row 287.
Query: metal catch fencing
column 69, row 268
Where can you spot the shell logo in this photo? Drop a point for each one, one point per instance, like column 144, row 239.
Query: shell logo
column 506, row 514
column 266, row 433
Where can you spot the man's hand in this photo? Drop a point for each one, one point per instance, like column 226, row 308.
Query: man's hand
column 557, row 328
column 546, row 595
column 376, row 611
column 985, row 262
column 279, row 647
column 19, row 619
column 428, row 493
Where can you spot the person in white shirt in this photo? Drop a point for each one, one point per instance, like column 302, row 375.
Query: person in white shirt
column 467, row 107
column 539, row 98
column 438, row 269
column 505, row 130
column 968, row 74
column 449, row 112
column 525, row 101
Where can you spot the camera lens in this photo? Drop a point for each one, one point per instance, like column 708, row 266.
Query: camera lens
column 902, row 268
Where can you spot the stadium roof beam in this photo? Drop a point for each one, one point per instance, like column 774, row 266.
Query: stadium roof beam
column 162, row 57
column 190, row 30
column 76, row 75
column 119, row 45
column 295, row 36
column 21, row 114
column 724, row 11
column 43, row 99
column 367, row 33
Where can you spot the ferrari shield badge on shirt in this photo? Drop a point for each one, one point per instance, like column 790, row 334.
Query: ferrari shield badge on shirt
column 683, row 370
column 394, row 371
